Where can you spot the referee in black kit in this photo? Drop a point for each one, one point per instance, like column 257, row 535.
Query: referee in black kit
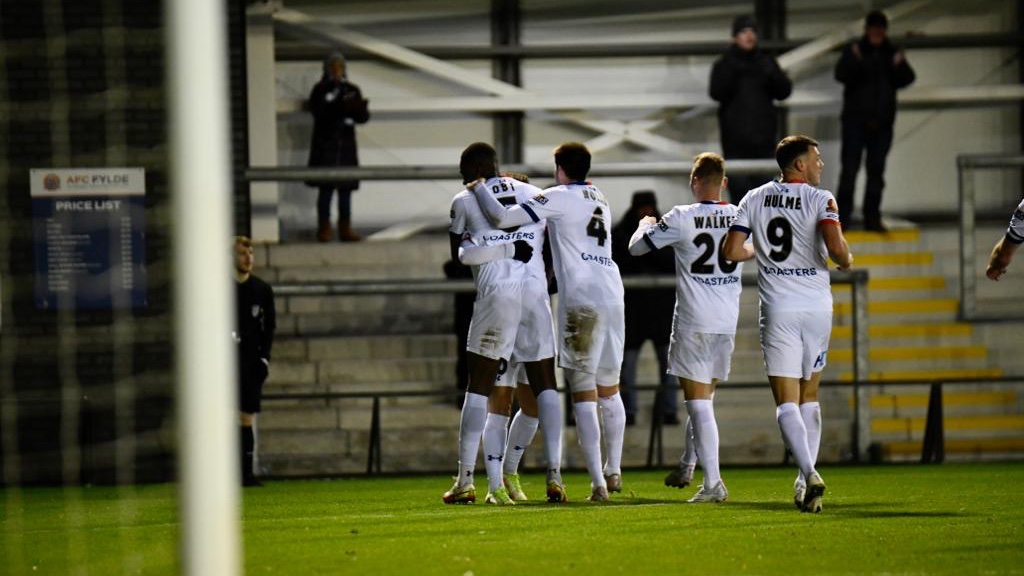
column 255, row 335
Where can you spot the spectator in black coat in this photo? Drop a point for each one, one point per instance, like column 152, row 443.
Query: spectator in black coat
column 871, row 70
column 746, row 81
column 254, row 333
column 337, row 106
column 648, row 311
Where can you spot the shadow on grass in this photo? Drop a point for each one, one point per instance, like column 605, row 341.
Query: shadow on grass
column 857, row 510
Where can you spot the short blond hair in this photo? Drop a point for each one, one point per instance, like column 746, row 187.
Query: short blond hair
column 709, row 168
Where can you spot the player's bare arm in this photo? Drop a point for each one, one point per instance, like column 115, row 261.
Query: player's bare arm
column 500, row 216
column 835, row 243
column 736, row 248
column 1000, row 259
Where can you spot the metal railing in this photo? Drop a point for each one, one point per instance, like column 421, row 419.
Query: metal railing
column 966, row 165
column 856, row 279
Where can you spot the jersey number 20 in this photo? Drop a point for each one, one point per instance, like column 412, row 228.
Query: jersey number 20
column 701, row 266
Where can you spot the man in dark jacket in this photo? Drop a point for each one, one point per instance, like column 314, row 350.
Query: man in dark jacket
column 648, row 311
column 871, row 70
column 254, row 333
column 337, row 106
column 745, row 81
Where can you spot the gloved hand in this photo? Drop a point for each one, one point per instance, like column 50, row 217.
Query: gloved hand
column 523, row 251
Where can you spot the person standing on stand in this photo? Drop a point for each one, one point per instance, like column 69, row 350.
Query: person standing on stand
column 648, row 312
column 254, row 334
column 337, row 106
column 871, row 70
column 745, row 81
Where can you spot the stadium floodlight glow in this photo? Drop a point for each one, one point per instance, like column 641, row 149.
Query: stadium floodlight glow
column 198, row 113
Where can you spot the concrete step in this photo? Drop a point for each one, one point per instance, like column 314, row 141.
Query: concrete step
column 365, row 347
column 946, row 374
column 433, row 248
column 962, row 427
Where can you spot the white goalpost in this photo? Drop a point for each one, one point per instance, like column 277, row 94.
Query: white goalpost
column 198, row 114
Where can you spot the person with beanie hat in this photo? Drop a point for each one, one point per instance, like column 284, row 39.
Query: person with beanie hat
column 745, row 81
column 648, row 311
column 871, row 70
column 337, row 106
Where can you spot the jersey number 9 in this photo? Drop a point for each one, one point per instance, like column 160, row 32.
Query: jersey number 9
column 780, row 236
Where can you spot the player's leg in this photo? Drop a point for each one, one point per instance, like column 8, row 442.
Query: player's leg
column 705, row 431
column 549, row 413
column 491, row 314
column 536, row 345
column 520, row 433
column 608, row 343
column 782, row 345
column 630, row 359
column 248, row 445
column 499, row 408
column 588, row 428
column 817, row 330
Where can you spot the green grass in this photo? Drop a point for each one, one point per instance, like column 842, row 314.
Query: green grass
column 898, row 519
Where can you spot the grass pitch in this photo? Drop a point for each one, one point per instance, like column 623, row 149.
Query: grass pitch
column 949, row 519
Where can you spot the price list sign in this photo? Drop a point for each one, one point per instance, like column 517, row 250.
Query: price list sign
column 89, row 237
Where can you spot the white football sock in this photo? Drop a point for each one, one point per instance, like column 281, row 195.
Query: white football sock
column 520, row 435
column 613, row 413
column 495, row 433
column 549, row 412
column 471, row 429
column 811, row 413
column 589, row 431
column 795, row 435
column 689, row 457
column 705, row 431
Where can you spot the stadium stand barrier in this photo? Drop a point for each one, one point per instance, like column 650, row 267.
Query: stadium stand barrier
column 966, row 166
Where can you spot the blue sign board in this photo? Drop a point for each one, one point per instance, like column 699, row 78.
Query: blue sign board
column 89, row 237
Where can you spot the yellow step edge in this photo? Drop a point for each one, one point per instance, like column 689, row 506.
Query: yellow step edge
column 943, row 329
column 912, row 353
column 893, row 259
column 990, row 445
column 907, row 283
column 898, row 401
column 927, row 375
column 950, row 423
column 902, row 306
column 900, row 235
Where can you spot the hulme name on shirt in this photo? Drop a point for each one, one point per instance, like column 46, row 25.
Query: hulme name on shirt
column 508, row 237
column 777, row 201
column 700, row 222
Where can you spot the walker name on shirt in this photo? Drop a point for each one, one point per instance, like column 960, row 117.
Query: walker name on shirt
column 723, row 281
column 511, row 236
column 779, row 201
column 701, row 222
column 602, row 260
column 773, row 271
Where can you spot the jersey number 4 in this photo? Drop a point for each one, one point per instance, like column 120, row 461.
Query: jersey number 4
column 596, row 227
column 701, row 266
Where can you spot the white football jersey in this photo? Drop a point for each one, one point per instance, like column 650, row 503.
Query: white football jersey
column 579, row 225
column 468, row 219
column 707, row 285
column 791, row 256
column 1015, row 233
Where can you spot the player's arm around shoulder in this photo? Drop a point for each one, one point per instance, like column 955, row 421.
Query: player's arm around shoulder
column 498, row 215
column 736, row 248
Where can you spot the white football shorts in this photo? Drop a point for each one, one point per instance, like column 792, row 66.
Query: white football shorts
column 795, row 344
column 591, row 339
column 509, row 373
column 700, row 356
column 512, row 322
